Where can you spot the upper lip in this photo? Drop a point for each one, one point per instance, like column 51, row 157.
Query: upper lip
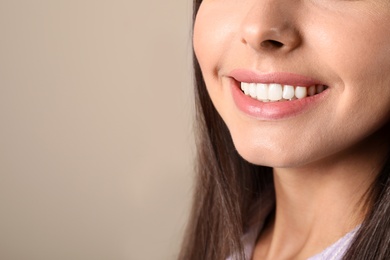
column 283, row 78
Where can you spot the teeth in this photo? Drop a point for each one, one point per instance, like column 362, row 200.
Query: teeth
column 311, row 91
column 245, row 87
column 320, row 88
column 262, row 91
column 288, row 92
column 277, row 92
column 252, row 90
column 301, row 92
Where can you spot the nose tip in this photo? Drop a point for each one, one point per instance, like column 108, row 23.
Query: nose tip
column 269, row 28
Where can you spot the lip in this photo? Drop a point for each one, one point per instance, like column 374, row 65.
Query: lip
column 284, row 78
column 273, row 110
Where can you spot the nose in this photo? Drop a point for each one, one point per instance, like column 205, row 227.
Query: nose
column 269, row 26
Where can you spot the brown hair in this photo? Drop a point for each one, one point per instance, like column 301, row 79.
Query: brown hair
column 227, row 186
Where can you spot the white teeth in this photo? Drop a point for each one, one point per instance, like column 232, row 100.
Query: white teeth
column 288, row 92
column 278, row 92
column 262, row 91
column 301, row 92
column 245, row 87
column 252, row 90
column 275, row 92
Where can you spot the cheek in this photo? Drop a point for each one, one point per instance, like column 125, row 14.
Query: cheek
column 215, row 28
column 205, row 39
column 355, row 46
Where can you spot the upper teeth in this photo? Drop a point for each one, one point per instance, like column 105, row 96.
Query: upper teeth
column 276, row 92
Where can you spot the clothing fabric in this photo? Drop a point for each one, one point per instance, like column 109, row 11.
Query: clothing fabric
column 338, row 249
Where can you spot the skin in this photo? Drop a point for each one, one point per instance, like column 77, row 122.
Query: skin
column 327, row 156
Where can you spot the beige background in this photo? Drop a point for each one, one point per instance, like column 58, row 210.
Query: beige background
column 95, row 136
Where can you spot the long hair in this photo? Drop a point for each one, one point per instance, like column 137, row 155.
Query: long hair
column 227, row 186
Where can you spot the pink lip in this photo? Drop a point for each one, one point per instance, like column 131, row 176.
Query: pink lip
column 273, row 110
column 284, row 78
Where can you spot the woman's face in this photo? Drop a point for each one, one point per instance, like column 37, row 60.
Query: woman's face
column 330, row 57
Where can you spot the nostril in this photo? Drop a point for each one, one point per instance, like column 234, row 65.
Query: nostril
column 271, row 43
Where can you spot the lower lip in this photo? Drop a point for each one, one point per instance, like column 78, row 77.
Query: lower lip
column 273, row 110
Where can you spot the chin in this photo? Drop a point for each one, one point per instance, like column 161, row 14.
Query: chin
column 269, row 161
column 272, row 155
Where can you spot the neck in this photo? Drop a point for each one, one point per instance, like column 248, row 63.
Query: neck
column 319, row 203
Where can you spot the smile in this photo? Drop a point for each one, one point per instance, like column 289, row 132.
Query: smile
column 278, row 92
column 277, row 95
